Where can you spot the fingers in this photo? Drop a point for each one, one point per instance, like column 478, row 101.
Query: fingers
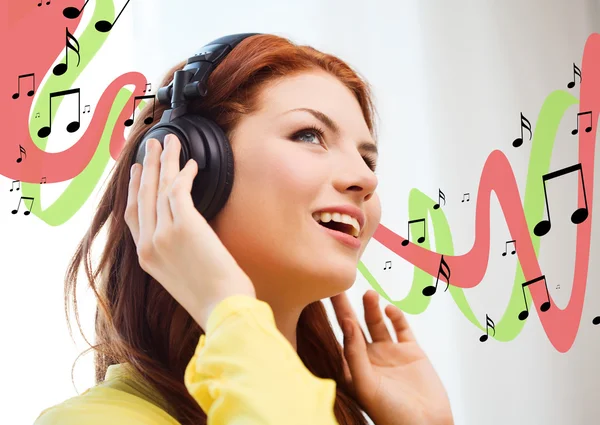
column 169, row 168
column 180, row 199
column 147, row 193
column 343, row 310
column 374, row 319
column 401, row 325
column 131, row 210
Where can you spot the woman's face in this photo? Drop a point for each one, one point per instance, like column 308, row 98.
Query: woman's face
column 283, row 174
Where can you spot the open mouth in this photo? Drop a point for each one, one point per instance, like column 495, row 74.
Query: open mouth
column 348, row 229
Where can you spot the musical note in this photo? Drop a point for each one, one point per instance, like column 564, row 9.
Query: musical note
column 105, row 26
column 147, row 120
column 545, row 306
column 88, row 108
column 558, row 286
column 488, row 323
column 30, row 92
column 430, row 290
column 47, row 3
column 43, row 181
column 61, row 68
column 524, row 124
column 72, row 12
column 37, row 115
column 73, row 126
column 587, row 129
column 440, row 197
column 506, row 247
column 578, row 216
column 27, row 198
column 422, row 238
column 13, row 185
column 22, row 152
column 386, row 265
column 468, row 195
column 148, row 89
column 576, row 71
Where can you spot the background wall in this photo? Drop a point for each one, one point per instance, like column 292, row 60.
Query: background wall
column 451, row 81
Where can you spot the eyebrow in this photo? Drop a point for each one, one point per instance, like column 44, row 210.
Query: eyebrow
column 325, row 119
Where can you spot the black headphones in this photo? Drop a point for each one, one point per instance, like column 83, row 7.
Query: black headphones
column 201, row 139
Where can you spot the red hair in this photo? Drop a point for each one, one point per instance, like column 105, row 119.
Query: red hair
column 137, row 321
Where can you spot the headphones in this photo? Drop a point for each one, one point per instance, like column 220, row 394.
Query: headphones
column 201, row 139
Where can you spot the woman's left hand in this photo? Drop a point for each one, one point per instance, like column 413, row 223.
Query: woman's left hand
column 394, row 382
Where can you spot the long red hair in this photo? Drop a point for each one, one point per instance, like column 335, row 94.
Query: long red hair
column 137, row 321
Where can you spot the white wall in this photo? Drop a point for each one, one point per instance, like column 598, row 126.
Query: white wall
column 450, row 79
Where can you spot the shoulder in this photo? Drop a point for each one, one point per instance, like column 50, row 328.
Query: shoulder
column 102, row 406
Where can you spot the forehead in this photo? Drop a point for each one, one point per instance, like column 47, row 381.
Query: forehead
column 314, row 89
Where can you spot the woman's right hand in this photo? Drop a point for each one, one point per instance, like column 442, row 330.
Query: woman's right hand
column 175, row 244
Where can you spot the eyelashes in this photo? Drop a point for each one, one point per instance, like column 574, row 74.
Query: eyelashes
column 314, row 129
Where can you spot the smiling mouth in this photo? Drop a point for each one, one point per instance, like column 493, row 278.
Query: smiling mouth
column 339, row 227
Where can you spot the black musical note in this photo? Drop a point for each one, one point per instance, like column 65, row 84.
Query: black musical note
column 43, row 181
column 73, row 126
column 148, row 89
column 84, row 109
column 22, row 152
column 421, row 238
column 430, row 290
column 30, row 92
column 576, row 71
column 105, row 26
column 13, row 185
column 386, row 265
column 468, row 195
column 61, row 68
column 37, row 115
column 558, row 286
column 440, row 197
column 72, row 12
column 147, row 120
column 506, row 247
column 545, row 306
column 587, row 129
column 578, row 216
column 27, row 198
column 488, row 323
column 524, row 124
column 47, row 3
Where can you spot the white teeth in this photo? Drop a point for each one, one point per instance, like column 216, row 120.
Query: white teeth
column 326, row 217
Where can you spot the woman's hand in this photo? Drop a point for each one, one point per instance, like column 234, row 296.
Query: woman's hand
column 394, row 382
column 175, row 244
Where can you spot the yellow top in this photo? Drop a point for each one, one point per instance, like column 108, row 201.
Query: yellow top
column 243, row 371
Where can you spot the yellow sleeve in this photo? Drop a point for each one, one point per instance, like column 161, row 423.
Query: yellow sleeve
column 245, row 372
column 104, row 406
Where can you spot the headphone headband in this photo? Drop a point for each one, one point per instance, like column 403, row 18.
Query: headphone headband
column 190, row 82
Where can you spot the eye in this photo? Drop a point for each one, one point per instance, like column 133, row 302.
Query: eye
column 320, row 133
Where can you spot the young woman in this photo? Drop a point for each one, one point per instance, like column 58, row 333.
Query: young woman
column 224, row 318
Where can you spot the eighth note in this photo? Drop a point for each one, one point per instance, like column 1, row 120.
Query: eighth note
column 73, row 126
column 421, row 238
column 386, row 263
column 13, row 185
column 43, row 181
column 587, row 129
column 524, row 124
column 544, row 307
column 147, row 120
column 468, row 195
column 578, row 216
column 506, row 248
column 18, row 206
column 30, row 92
column 488, row 323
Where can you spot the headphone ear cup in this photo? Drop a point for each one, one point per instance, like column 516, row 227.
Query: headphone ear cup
column 212, row 186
